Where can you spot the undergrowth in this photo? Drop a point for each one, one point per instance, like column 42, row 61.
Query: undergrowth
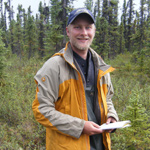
column 19, row 130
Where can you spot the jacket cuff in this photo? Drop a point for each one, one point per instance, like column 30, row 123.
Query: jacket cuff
column 81, row 129
column 114, row 116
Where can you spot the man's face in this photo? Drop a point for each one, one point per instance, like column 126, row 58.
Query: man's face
column 81, row 33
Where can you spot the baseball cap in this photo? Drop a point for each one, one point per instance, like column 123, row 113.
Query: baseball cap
column 77, row 12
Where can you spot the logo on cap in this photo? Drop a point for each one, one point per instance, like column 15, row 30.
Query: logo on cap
column 81, row 11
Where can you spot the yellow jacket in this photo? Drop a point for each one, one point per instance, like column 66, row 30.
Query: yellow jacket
column 60, row 103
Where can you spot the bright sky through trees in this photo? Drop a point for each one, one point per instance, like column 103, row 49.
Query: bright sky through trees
column 35, row 4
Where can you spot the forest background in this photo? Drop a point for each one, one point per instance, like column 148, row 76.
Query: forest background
column 28, row 41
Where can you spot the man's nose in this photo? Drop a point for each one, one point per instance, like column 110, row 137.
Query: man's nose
column 84, row 31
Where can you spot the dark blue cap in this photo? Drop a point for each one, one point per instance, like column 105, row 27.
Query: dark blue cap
column 77, row 12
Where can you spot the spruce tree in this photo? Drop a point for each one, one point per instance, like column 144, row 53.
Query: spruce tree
column 113, row 28
column 2, row 59
column 24, row 25
column 56, row 35
column 18, row 40
column 121, row 38
column 30, row 34
column 105, row 9
column 41, row 30
column 11, row 36
column 124, row 21
column 89, row 4
column 129, row 25
column 18, row 32
column 138, row 134
column 101, row 40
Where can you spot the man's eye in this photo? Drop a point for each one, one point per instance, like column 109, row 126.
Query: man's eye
column 77, row 27
column 88, row 27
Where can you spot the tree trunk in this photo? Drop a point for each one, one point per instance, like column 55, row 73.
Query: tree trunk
column 64, row 14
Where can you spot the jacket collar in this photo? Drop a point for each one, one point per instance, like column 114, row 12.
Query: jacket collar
column 68, row 53
column 98, row 61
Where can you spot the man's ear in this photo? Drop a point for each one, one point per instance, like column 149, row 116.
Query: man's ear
column 67, row 31
column 95, row 31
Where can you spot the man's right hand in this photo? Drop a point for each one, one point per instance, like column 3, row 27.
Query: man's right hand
column 91, row 128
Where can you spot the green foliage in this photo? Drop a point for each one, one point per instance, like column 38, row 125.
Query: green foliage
column 46, row 34
column 27, row 36
column 53, row 38
column 2, row 58
column 131, row 101
column 31, row 35
column 89, row 4
column 137, row 136
column 18, row 128
column 101, row 41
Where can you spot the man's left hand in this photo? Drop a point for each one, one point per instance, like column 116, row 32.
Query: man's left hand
column 111, row 120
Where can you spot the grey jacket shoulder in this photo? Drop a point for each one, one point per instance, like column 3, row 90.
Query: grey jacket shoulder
column 51, row 64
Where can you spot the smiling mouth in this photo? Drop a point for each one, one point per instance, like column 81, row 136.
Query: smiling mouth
column 83, row 39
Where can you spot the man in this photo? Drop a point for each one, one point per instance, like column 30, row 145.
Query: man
column 74, row 91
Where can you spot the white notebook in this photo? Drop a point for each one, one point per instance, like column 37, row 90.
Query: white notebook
column 116, row 125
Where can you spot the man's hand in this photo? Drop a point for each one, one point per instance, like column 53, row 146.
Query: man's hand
column 110, row 120
column 91, row 128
